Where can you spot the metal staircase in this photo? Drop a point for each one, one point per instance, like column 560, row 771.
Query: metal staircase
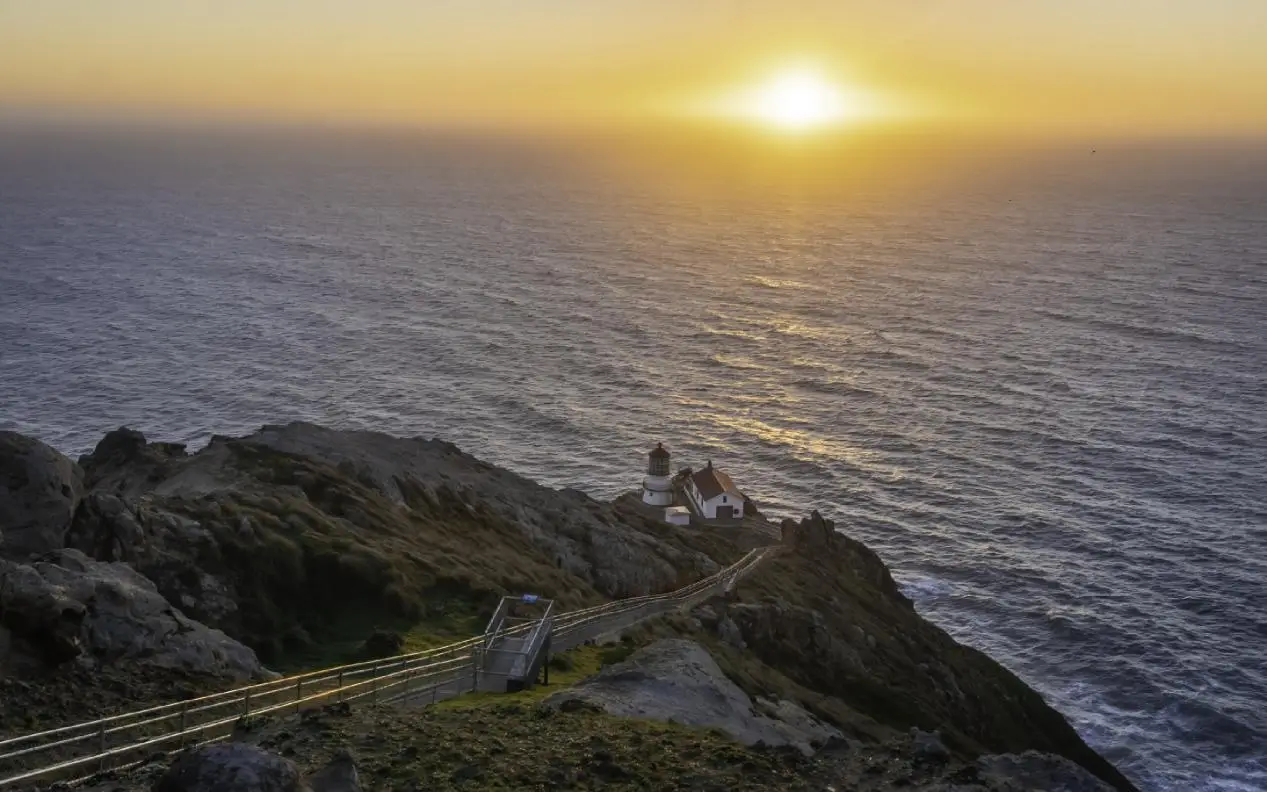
column 511, row 658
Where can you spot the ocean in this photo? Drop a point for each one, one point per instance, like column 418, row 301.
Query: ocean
column 1034, row 380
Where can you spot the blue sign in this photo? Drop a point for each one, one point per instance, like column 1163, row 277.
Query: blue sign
column 530, row 598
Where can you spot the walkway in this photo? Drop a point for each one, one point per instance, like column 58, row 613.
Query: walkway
column 504, row 657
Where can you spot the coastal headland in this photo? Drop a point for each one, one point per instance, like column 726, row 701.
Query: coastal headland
column 143, row 574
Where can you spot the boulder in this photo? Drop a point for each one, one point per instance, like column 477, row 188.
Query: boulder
column 928, row 746
column 39, row 492
column 339, row 775
column 678, row 681
column 231, row 767
column 382, row 643
column 43, row 617
column 66, row 606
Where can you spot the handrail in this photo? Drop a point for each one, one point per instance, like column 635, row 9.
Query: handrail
column 495, row 623
column 534, row 641
column 235, row 693
column 197, row 717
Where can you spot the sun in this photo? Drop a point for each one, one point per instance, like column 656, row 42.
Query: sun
column 797, row 100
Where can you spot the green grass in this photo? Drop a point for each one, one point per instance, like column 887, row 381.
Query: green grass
column 581, row 663
column 507, row 742
column 344, row 636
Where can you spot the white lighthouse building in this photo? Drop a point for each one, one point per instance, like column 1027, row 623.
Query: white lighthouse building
column 657, row 487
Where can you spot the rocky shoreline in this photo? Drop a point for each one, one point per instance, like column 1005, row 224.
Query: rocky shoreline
column 143, row 572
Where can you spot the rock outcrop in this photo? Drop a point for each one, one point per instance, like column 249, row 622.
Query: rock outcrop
column 66, row 606
column 275, row 536
column 39, row 617
column 39, row 492
column 817, row 535
column 124, row 462
column 340, row 775
column 232, row 767
column 678, row 681
column 827, row 616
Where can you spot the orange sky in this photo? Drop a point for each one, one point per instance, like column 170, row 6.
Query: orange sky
column 1134, row 66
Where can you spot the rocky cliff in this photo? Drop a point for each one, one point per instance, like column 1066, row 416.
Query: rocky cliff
column 276, row 536
column 144, row 556
column 824, row 624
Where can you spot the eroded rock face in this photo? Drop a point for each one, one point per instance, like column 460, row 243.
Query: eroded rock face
column 813, row 531
column 45, row 618
column 39, row 492
column 677, row 680
column 66, row 606
column 778, row 624
column 123, row 461
column 232, row 767
column 828, row 616
column 817, row 536
column 167, row 548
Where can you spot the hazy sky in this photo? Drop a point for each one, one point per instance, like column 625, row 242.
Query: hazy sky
column 1132, row 65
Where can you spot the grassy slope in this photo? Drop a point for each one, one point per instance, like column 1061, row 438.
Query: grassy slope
column 320, row 559
column 324, row 560
column 510, row 742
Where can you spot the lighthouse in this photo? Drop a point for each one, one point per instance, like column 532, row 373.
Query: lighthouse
column 657, row 487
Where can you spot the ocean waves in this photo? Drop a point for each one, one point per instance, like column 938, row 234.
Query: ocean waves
column 1055, row 440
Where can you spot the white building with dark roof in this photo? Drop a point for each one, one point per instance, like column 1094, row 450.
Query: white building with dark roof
column 714, row 495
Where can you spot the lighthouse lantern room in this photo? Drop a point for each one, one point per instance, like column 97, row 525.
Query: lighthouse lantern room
column 657, row 487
